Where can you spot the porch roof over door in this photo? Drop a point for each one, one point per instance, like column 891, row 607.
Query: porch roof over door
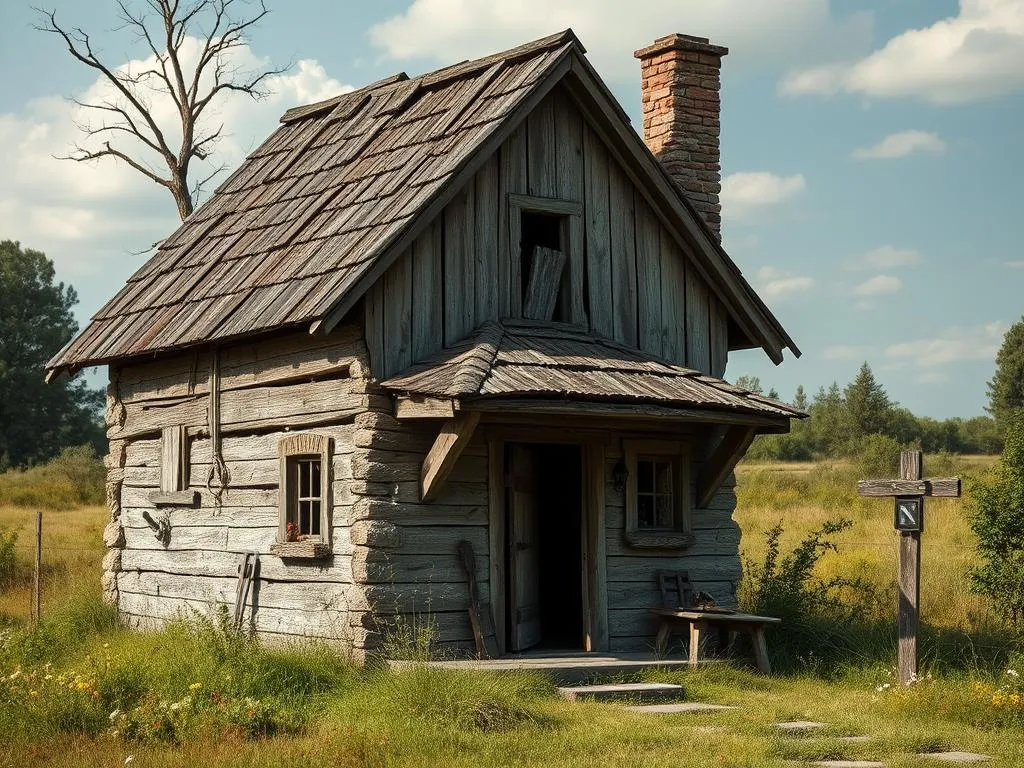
column 544, row 365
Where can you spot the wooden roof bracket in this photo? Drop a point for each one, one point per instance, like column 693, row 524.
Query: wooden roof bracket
column 453, row 438
column 722, row 462
column 425, row 407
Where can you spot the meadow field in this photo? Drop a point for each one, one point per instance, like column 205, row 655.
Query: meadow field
column 78, row 690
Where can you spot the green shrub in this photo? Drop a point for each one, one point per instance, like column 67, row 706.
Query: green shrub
column 74, row 478
column 818, row 616
column 997, row 519
column 877, row 456
column 8, row 558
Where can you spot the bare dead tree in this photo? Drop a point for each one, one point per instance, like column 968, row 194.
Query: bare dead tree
column 128, row 129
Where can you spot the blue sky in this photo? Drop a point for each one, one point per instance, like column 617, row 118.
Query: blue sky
column 872, row 154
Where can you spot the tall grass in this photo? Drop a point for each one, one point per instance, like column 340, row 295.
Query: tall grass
column 74, row 478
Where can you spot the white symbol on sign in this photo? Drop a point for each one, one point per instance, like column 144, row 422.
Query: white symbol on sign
column 907, row 514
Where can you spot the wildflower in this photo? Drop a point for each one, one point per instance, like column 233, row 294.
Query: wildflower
column 1012, row 673
column 195, row 686
column 114, row 714
column 883, row 687
column 33, row 693
column 129, row 759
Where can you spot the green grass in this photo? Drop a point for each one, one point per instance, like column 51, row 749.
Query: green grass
column 195, row 694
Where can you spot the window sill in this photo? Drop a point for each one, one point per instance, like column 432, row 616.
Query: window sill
column 301, row 550
column 174, row 498
column 659, row 539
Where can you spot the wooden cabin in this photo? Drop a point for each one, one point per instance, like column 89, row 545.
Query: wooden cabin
column 471, row 306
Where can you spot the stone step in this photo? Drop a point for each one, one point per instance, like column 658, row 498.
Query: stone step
column 679, row 708
column 638, row 692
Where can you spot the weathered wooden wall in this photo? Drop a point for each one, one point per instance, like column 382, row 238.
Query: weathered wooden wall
column 269, row 389
column 636, row 285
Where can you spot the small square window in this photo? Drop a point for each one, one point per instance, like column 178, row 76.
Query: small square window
column 304, row 510
column 657, row 494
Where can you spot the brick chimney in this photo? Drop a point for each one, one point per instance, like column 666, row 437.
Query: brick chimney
column 681, row 77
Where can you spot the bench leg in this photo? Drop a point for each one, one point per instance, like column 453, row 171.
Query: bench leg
column 661, row 641
column 696, row 628
column 764, row 666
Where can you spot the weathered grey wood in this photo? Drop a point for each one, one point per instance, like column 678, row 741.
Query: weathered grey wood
column 424, row 407
column 622, row 232
column 454, row 435
column 599, row 267
column 485, row 248
column 719, row 338
column 542, row 166
column 174, row 498
column 648, row 276
column 289, row 405
column 468, row 469
column 947, row 487
column 567, row 206
column 234, row 499
column 596, row 562
column 322, row 595
column 515, row 180
column 374, row 309
column 459, row 267
column 174, row 458
column 673, row 299
column 427, row 286
column 524, row 550
column 544, row 284
column 643, row 568
column 698, row 325
column 397, row 313
column 371, row 566
column 279, row 359
column 140, row 453
column 302, row 550
column 722, row 462
column 496, row 517
column 909, row 581
column 225, row 565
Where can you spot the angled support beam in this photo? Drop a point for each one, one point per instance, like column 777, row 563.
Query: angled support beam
column 453, row 438
column 425, row 407
column 723, row 461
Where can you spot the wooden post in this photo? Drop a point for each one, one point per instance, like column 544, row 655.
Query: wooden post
column 910, row 581
column 908, row 493
column 37, row 570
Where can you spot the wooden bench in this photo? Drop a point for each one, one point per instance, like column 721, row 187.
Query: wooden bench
column 679, row 608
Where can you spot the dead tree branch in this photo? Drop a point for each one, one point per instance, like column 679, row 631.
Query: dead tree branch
column 191, row 57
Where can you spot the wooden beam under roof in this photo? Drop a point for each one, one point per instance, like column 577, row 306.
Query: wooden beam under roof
column 723, row 461
column 425, row 407
column 453, row 438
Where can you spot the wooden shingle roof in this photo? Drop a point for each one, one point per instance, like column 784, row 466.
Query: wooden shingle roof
column 528, row 359
column 308, row 212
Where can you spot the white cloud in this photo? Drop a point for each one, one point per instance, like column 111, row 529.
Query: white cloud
column 95, row 219
column 759, row 32
column 1015, row 264
column 902, row 144
column 977, row 54
column 746, row 191
column 777, row 285
column 954, row 345
column 878, row 285
column 846, row 352
column 888, row 257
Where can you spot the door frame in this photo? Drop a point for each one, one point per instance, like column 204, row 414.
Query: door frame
column 593, row 539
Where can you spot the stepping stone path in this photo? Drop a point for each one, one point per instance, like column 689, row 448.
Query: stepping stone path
column 957, row 757
column 686, row 707
column 639, row 692
column 799, row 725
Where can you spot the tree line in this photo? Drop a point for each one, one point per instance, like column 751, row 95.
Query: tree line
column 847, row 421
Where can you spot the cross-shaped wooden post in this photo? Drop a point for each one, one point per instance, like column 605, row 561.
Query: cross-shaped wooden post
column 908, row 517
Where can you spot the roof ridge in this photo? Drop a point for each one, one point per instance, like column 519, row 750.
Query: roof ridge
column 304, row 111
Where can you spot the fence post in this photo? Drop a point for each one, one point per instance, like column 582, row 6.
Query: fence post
column 37, row 569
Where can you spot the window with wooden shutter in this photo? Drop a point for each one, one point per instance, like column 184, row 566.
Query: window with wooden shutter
column 658, row 491
column 174, row 470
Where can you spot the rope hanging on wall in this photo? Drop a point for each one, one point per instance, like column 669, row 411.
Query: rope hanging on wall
column 118, row 412
column 218, row 469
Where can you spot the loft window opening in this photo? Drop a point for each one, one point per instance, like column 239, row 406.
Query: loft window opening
column 544, row 289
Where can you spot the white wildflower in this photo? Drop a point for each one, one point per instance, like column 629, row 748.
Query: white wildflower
column 883, row 687
column 129, row 759
column 114, row 714
column 1012, row 673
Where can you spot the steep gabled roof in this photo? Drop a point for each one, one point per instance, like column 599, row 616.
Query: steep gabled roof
column 317, row 213
column 539, row 360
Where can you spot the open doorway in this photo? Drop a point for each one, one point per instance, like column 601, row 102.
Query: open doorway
column 544, row 557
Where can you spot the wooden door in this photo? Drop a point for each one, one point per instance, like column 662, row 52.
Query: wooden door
column 524, row 544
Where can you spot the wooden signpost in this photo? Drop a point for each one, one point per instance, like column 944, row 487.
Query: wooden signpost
column 908, row 518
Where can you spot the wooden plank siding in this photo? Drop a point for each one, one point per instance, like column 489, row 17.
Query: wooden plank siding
column 631, row 280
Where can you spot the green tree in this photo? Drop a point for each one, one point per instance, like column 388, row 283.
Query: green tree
column 800, row 398
column 750, row 383
column 997, row 518
column 867, row 405
column 36, row 419
column 1006, row 389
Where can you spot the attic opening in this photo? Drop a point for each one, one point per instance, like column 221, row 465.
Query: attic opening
column 544, row 289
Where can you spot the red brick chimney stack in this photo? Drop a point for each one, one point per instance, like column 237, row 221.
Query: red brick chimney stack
column 681, row 77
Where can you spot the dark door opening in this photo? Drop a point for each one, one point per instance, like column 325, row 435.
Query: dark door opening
column 545, row 535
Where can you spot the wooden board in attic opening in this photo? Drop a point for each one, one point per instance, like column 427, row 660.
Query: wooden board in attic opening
column 435, row 312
